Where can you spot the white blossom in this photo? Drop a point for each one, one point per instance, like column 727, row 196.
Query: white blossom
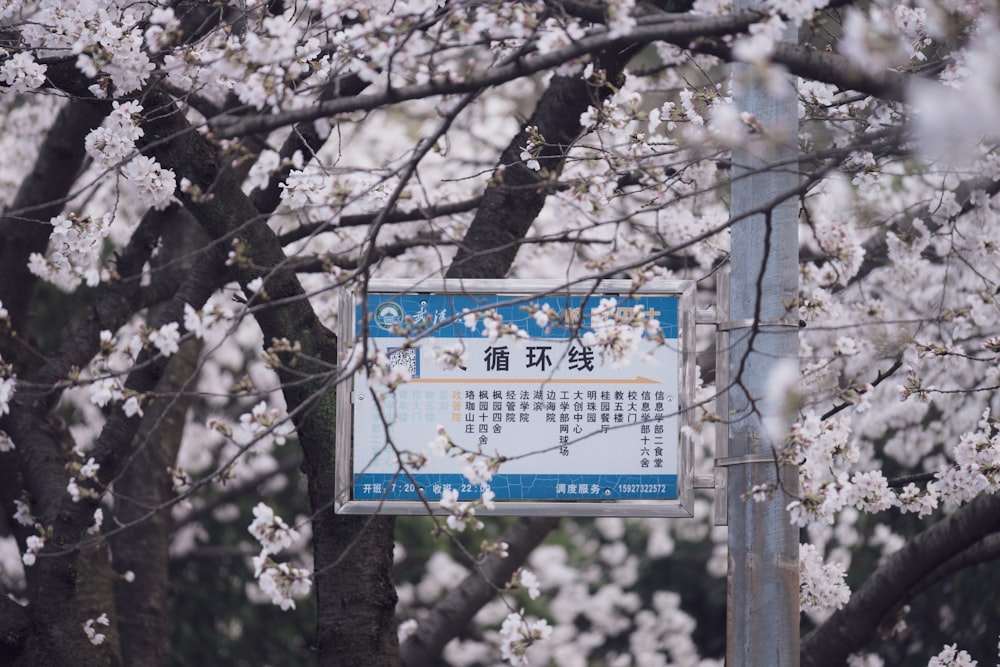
column 153, row 184
column 950, row 656
column 74, row 252
column 462, row 514
column 33, row 544
column 470, row 320
column 451, row 356
column 95, row 527
column 22, row 73
column 869, row 491
column 282, row 582
column 518, row 633
column 914, row 499
column 544, row 315
column 89, row 469
column 616, row 340
column 164, row 26
column 797, row 10
column 74, row 490
column 486, row 499
column 441, row 443
column 114, row 141
column 132, row 407
column 256, row 285
column 407, row 629
column 105, row 390
column 821, row 585
column 478, row 471
column 527, row 580
column 89, row 628
column 200, row 323
column 865, row 660
column 264, row 425
column 271, row 530
column 23, row 514
column 166, row 338
column 7, row 385
column 260, row 173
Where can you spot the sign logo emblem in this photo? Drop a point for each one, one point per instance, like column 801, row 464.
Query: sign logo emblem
column 388, row 316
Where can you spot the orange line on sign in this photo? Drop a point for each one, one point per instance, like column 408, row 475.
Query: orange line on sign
column 636, row 380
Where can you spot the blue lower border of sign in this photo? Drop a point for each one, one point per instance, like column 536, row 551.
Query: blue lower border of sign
column 384, row 486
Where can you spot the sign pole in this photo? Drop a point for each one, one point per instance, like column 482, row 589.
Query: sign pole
column 763, row 585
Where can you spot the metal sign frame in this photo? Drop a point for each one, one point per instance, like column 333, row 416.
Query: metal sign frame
column 403, row 494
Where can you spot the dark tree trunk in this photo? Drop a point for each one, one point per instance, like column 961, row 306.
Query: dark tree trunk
column 353, row 557
column 145, row 484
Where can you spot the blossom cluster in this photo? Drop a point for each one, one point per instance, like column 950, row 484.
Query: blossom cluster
column 951, row 656
column 200, row 323
column 105, row 375
column 113, row 145
column 74, row 252
column 827, row 452
column 463, row 513
column 263, row 425
column 977, row 464
column 315, row 195
column 517, row 635
column 281, row 582
column 76, row 243
column 479, row 469
column 106, row 40
column 617, row 336
column 494, row 327
column 451, row 356
column 8, row 381
column 84, row 472
column 21, row 72
column 90, row 629
column 822, row 586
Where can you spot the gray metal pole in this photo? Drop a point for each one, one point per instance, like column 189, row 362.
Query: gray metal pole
column 763, row 584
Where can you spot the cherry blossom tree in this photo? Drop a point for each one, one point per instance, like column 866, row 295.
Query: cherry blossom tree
column 187, row 187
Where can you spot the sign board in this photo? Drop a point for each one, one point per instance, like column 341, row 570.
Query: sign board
column 574, row 430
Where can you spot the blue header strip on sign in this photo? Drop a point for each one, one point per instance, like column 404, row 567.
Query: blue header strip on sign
column 385, row 486
column 440, row 315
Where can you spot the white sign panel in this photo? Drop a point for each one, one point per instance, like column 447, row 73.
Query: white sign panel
column 574, row 427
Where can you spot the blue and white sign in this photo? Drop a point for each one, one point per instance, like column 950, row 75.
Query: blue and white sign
column 578, row 407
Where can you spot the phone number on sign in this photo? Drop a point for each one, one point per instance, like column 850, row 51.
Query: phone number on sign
column 651, row 489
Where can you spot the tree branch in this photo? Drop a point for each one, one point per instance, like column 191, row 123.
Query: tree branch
column 362, row 219
column 851, row 627
column 356, row 609
column 877, row 247
column 693, row 33
column 680, row 31
column 42, row 192
column 141, row 606
column 984, row 551
column 462, row 602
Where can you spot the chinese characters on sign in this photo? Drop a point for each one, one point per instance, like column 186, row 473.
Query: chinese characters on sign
column 569, row 422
